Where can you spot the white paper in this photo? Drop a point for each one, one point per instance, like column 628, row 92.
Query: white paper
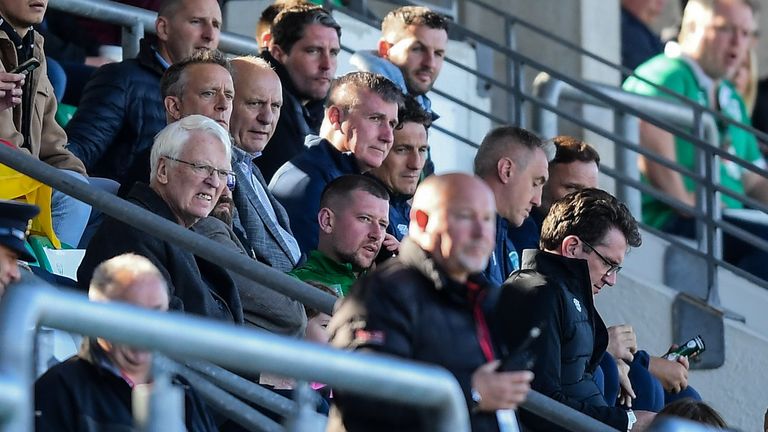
column 65, row 262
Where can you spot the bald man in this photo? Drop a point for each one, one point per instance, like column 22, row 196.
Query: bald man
column 425, row 305
column 92, row 390
column 262, row 224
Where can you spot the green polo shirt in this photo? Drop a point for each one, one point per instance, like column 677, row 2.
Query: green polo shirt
column 320, row 268
column 680, row 76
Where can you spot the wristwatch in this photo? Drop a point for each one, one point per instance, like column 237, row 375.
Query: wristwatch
column 476, row 399
column 631, row 419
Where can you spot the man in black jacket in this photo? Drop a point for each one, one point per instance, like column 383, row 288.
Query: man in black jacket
column 305, row 44
column 122, row 109
column 584, row 239
column 190, row 168
column 426, row 305
column 92, row 390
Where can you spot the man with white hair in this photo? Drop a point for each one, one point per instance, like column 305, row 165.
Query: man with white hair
column 94, row 387
column 190, row 166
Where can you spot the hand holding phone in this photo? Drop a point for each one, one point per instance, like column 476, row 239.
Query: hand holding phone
column 27, row 67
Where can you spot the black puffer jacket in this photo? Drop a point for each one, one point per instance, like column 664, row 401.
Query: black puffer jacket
column 409, row 308
column 555, row 293
column 296, row 122
column 120, row 112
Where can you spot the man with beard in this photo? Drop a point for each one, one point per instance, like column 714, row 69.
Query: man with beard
column 303, row 50
column 353, row 219
column 426, row 305
column 92, row 390
column 264, row 308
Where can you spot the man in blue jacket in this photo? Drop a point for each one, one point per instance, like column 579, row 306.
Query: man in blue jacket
column 121, row 109
column 513, row 163
column 356, row 136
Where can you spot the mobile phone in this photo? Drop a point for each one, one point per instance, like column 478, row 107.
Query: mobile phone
column 26, row 67
column 689, row 349
column 522, row 358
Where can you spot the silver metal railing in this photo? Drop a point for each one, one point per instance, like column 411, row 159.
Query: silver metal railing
column 26, row 306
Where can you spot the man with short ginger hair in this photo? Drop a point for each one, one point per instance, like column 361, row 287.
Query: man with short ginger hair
column 426, row 305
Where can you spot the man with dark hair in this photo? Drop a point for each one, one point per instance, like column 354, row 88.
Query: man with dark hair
column 353, row 220
column 425, row 305
column 401, row 170
column 574, row 167
column 263, row 34
column 92, row 390
column 303, row 50
column 513, row 163
column 357, row 134
column 410, row 52
column 121, row 109
column 199, row 84
column 584, row 240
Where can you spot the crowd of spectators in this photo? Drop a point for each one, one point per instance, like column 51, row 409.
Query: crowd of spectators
column 328, row 179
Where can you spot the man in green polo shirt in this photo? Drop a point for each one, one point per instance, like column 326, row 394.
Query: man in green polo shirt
column 714, row 39
column 353, row 219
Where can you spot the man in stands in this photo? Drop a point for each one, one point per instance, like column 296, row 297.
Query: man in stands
column 513, row 163
column 15, row 219
column 638, row 40
column 425, row 305
column 714, row 39
column 122, row 109
column 262, row 224
column 199, row 84
column 356, row 136
column 190, row 167
column 92, row 390
column 353, row 220
column 574, row 167
column 303, row 49
column 264, row 308
column 401, row 170
column 410, row 53
column 584, row 239
column 30, row 125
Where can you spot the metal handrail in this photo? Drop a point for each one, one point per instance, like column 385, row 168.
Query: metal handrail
column 25, row 306
column 166, row 230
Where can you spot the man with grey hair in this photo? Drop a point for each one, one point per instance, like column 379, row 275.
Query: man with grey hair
column 513, row 163
column 356, row 136
column 94, row 387
column 190, row 166
column 198, row 84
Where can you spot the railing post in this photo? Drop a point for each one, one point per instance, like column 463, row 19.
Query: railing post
column 306, row 417
column 166, row 401
column 547, row 89
column 514, row 100
column 131, row 36
column 625, row 161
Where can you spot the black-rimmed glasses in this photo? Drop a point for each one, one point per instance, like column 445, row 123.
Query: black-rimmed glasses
column 612, row 267
column 205, row 171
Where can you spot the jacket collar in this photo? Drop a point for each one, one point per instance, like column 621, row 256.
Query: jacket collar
column 322, row 263
column 91, row 352
column 573, row 271
column 148, row 198
column 147, row 58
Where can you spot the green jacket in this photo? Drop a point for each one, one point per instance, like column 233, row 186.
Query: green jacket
column 678, row 75
column 320, row 268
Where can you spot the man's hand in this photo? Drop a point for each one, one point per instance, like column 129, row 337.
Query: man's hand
column 500, row 390
column 10, row 89
column 622, row 342
column 390, row 243
column 626, row 393
column 673, row 375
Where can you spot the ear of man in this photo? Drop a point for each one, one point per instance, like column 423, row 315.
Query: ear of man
column 325, row 220
column 505, row 169
column 570, row 245
column 383, row 48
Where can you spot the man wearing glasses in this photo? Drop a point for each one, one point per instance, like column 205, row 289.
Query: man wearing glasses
column 190, row 167
column 584, row 239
